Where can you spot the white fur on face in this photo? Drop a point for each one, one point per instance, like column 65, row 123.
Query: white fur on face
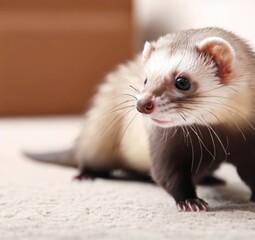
column 215, row 102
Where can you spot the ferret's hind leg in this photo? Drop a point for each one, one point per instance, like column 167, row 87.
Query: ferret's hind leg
column 88, row 173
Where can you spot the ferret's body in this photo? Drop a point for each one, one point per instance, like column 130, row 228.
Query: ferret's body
column 195, row 111
column 107, row 141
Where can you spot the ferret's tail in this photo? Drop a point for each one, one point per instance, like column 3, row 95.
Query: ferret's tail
column 63, row 158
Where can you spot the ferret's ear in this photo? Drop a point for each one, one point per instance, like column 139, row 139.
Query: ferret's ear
column 222, row 53
column 147, row 50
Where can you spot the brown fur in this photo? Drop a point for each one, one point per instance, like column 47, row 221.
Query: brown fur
column 176, row 172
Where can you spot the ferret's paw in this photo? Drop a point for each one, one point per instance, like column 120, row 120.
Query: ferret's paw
column 83, row 177
column 90, row 174
column 192, row 205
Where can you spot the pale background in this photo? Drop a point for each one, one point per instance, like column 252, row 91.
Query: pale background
column 159, row 17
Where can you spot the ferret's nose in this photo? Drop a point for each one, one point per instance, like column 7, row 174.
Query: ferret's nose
column 145, row 106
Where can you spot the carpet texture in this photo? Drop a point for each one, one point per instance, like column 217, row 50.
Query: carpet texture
column 39, row 201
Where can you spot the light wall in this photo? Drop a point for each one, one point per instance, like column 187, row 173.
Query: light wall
column 157, row 17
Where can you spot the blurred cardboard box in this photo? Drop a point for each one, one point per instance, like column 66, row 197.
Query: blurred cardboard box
column 54, row 52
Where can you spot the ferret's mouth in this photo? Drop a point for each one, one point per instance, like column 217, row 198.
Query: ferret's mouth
column 161, row 122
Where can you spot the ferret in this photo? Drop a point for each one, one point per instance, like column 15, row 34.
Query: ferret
column 176, row 112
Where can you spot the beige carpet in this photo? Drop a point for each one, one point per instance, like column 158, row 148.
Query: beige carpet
column 40, row 201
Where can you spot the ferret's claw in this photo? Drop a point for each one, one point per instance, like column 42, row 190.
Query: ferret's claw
column 192, row 205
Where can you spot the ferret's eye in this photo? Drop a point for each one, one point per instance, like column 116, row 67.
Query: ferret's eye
column 145, row 81
column 182, row 83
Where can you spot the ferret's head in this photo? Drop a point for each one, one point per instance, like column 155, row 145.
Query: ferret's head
column 190, row 81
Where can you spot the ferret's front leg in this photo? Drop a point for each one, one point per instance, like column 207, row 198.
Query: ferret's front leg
column 179, row 184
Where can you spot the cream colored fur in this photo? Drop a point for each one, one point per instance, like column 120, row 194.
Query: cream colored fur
column 113, row 137
column 105, row 141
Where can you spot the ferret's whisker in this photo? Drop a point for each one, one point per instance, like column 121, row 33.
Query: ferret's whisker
column 201, row 150
column 221, row 126
column 162, row 137
column 165, row 133
column 192, row 149
column 226, row 107
column 184, row 129
column 125, row 130
column 117, row 137
column 221, row 143
column 119, row 109
column 130, row 95
column 106, row 130
column 213, row 143
column 118, row 95
column 117, row 105
column 202, row 142
column 131, row 100
column 166, row 136
column 136, row 89
column 184, row 133
column 199, row 131
column 216, row 135
column 175, row 131
column 238, row 127
column 200, row 138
